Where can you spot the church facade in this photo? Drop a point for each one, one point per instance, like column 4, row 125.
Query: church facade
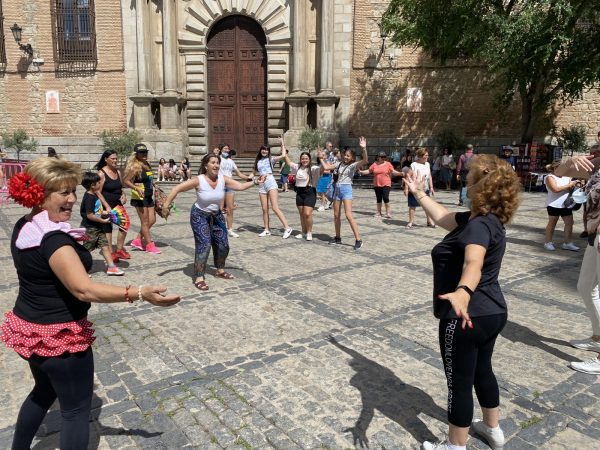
column 190, row 74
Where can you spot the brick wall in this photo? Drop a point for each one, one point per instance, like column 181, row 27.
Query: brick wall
column 88, row 103
column 455, row 95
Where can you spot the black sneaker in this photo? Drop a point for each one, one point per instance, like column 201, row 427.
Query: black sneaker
column 583, row 234
column 335, row 241
column 358, row 245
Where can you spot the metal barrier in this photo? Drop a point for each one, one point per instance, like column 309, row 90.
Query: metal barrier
column 7, row 171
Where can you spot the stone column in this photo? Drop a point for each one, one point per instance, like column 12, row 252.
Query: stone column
column 299, row 57
column 142, row 54
column 327, row 9
column 169, row 32
column 326, row 99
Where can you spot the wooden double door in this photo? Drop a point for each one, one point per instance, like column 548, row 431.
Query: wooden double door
column 237, row 85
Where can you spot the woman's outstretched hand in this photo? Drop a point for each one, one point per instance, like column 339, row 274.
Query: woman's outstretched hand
column 414, row 182
column 460, row 303
column 156, row 296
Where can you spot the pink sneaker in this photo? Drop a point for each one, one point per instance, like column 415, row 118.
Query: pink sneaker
column 151, row 248
column 137, row 243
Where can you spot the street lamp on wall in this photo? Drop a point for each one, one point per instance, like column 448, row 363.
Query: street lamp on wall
column 17, row 34
column 383, row 35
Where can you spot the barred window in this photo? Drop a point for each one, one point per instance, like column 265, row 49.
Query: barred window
column 74, row 31
column 2, row 48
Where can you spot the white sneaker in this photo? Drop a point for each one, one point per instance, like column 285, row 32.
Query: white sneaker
column 493, row 436
column 265, row 233
column 434, row 446
column 591, row 366
column 287, row 233
column 299, row 236
column 549, row 246
column 321, row 208
column 233, row 234
column 570, row 246
column 586, row 344
column 309, row 236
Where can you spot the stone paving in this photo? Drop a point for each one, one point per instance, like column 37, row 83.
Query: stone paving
column 314, row 347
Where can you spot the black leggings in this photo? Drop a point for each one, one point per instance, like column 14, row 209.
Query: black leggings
column 382, row 193
column 467, row 357
column 70, row 377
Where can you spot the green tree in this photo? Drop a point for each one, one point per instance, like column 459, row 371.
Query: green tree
column 542, row 51
column 310, row 139
column 450, row 138
column 122, row 143
column 572, row 139
column 19, row 141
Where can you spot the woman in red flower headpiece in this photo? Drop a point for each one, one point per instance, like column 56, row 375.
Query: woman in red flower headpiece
column 48, row 325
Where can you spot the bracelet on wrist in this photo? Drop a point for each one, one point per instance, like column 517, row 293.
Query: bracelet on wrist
column 127, row 297
column 465, row 288
column 140, row 297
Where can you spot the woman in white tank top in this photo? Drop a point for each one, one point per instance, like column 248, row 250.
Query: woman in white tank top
column 208, row 223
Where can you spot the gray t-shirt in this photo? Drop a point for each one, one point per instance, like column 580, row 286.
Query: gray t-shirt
column 346, row 172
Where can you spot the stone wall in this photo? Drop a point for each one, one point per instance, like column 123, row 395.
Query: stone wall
column 454, row 95
column 89, row 102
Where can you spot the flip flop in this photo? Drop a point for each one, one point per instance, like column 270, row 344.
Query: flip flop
column 201, row 285
column 225, row 275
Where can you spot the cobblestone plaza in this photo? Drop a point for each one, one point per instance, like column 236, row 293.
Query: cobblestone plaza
column 314, row 346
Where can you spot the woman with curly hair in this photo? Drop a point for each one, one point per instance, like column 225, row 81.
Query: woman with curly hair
column 138, row 177
column 467, row 298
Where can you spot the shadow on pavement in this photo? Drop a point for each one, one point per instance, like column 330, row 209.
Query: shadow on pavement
column 380, row 389
column 519, row 333
column 49, row 432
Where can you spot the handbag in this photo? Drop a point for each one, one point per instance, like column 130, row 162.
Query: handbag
column 330, row 192
column 159, row 200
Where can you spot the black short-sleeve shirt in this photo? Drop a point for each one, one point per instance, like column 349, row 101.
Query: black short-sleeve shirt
column 42, row 298
column 448, row 258
column 90, row 203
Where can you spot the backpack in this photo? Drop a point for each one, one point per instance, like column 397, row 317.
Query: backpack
column 467, row 164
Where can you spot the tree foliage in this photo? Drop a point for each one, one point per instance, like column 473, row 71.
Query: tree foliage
column 572, row 138
column 19, row 141
column 310, row 139
column 540, row 51
column 122, row 143
column 450, row 138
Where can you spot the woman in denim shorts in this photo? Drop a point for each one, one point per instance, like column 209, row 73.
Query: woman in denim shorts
column 267, row 191
column 343, row 174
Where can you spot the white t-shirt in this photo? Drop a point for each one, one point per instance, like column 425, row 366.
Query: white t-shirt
column 446, row 160
column 346, row 173
column 422, row 170
column 209, row 199
column 265, row 165
column 556, row 199
column 302, row 175
column 227, row 167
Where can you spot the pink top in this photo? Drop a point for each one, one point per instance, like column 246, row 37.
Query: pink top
column 381, row 174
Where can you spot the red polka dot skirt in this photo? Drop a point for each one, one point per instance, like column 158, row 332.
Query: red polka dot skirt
column 54, row 339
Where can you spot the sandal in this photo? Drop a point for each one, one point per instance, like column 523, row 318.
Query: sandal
column 225, row 275
column 432, row 225
column 201, row 285
column 409, row 225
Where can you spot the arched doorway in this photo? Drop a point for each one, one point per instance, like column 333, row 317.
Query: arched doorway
column 237, row 85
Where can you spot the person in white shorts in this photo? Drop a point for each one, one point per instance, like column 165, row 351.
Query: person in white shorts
column 267, row 190
column 228, row 167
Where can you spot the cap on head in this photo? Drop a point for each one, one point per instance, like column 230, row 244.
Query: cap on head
column 140, row 148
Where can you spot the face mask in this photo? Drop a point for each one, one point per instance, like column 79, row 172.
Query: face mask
column 225, row 155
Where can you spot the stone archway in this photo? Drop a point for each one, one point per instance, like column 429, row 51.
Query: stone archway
column 237, row 84
column 199, row 18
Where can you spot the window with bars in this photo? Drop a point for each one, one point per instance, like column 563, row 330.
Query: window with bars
column 74, row 31
column 2, row 47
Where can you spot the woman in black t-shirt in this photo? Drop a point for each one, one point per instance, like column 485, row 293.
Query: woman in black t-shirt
column 111, row 193
column 466, row 294
column 48, row 325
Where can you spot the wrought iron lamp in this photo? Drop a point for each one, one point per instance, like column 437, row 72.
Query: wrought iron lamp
column 17, row 34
